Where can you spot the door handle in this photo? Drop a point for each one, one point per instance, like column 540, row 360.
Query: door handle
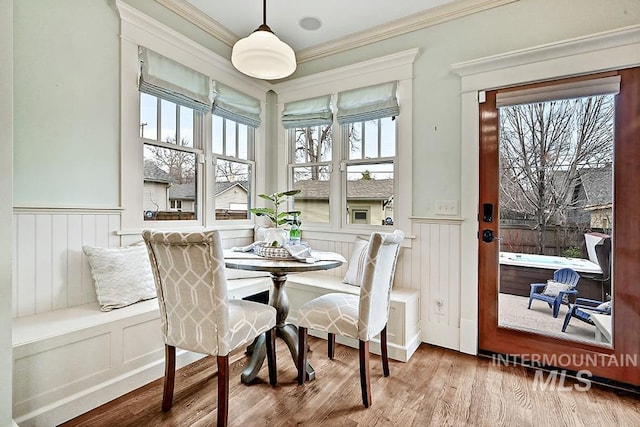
column 488, row 236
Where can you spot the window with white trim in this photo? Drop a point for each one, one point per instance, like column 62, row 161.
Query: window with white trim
column 233, row 151
column 171, row 137
column 366, row 156
column 369, row 164
column 310, row 132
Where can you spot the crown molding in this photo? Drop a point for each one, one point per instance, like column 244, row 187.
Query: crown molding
column 450, row 11
column 438, row 15
column 194, row 15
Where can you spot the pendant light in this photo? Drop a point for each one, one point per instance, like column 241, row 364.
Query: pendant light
column 262, row 54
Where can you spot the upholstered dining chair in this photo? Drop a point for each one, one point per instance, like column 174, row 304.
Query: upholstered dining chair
column 360, row 316
column 195, row 312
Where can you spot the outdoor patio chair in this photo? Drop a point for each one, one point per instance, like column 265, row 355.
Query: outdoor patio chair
column 583, row 308
column 556, row 292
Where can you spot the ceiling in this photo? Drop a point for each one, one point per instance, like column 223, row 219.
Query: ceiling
column 345, row 24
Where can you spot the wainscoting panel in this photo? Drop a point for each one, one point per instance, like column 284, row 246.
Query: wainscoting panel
column 49, row 266
column 429, row 263
column 435, row 269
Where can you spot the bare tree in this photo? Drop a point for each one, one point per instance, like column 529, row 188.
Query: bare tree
column 181, row 165
column 543, row 147
column 313, row 143
column 230, row 171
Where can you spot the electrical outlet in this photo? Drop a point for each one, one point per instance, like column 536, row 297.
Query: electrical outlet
column 439, row 307
column 446, row 207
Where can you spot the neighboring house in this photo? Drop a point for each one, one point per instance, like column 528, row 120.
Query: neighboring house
column 232, row 195
column 182, row 197
column 593, row 197
column 589, row 201
column 156, row 184
column 369, row 201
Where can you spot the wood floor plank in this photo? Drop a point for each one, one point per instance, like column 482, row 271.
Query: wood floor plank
column 436, row 387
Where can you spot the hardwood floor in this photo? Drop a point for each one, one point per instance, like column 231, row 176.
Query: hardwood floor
column 436, row 387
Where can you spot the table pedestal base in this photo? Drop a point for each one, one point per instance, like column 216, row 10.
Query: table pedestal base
column 258, row 352
column 286, row 331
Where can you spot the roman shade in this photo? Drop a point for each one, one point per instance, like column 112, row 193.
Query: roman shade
column 307, row 112
column 368, row 103
column 235, row 105
column 167, row 79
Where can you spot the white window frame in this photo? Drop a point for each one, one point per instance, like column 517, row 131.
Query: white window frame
column 214, row 157
column 138, row 29
column 197, row 149
column 397, row 67
column 346, row 162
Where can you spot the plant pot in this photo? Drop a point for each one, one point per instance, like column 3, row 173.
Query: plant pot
column 278, row 235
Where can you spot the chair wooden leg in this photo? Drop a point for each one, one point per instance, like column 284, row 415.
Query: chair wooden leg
column 223, row 390
column 169, row 376
column 271, row 357
column 365, row 380
column 331, row 345
column 383, row 351
column 302, row 354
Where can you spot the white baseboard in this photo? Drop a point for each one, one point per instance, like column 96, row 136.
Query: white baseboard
column 396, row 352
column 441, row 335
column 75, row 405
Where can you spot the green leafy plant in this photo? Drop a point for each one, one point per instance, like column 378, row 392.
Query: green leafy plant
column 274, row 214
column 572, row 252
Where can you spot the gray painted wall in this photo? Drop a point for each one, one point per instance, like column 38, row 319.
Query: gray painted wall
column 66, row 88
column 6, row 212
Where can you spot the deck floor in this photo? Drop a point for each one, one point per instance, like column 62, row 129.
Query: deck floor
column 513, row 313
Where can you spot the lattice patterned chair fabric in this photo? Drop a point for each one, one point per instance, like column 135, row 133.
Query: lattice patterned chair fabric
column 357, row 316
column 195, row 311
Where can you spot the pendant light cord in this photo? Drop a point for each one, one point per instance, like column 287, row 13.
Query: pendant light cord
column 264, row 12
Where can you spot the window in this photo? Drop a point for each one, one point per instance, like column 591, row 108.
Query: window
column 170, row 134
column 311, row 170
column 370, row 164
column 363, row 191
column 232, row 146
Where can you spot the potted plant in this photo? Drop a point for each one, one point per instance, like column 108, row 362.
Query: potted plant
column 276, row 236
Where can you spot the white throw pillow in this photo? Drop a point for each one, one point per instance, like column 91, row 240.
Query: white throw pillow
column 553, row 288
column 355, row 270
column 122, row 275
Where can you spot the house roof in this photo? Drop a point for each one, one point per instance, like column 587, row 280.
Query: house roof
column 221, row 187
column 362, row 189
column 152, row 173
column 188, row 191
column 597, row 184
column 182, row 191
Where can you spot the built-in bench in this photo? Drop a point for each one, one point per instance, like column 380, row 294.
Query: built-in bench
column 68, row 361
column 403, row 327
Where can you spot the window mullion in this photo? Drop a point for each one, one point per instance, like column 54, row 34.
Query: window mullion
column 178, row 125
column 379, row 127
column 158, row 119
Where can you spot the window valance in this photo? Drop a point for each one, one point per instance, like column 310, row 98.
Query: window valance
column 235, row 105
column 368, row 103
column 576, row 89
column 167, row 79
column 307, row 112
